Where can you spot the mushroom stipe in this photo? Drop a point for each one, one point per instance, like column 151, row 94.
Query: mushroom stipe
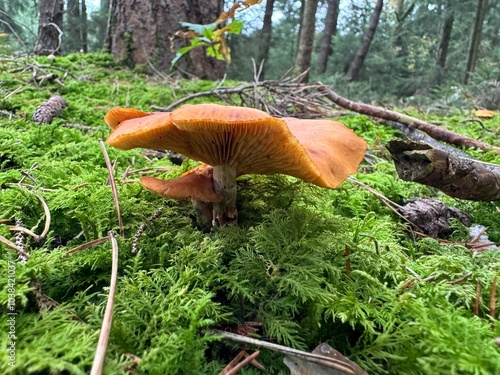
column 232, row 141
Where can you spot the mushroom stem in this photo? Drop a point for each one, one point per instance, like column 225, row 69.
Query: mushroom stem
column 224, row 212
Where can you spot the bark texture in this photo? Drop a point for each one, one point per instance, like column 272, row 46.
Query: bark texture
column 141, row 32
column 306, row 39
column 325, row 49
column 433, row 216
column 358, row 60
column 457, row 177
column 49, row 27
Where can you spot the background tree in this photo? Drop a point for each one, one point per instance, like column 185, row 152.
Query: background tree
column 357, row 62
column 266, row 35
column 475, row 39
column 50, row 27
column 442, row 53
column 75, row 27
column 142, row 33
column 330, row 29
column 306, row 38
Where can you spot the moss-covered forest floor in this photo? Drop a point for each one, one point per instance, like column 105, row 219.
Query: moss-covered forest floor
column 284, row 265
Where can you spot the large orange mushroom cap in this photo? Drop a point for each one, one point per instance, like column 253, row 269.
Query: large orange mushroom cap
column 251, row 141
column 117, row 115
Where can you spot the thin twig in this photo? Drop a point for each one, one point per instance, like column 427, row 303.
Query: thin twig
column 113, row 186
column 98, row 364
column 461, row 278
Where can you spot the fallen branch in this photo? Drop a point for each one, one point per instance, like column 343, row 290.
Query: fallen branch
column 457, row 177
column 434, row 131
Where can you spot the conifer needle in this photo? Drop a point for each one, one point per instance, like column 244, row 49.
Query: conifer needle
column 98, row 364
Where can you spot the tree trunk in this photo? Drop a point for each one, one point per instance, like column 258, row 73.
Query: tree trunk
column 443, row 45
column 141, row 33
column 49, row 27
column 266, row 35
column 306, row 40
column 325, row 49
column 475, row 39
column 72, row 27
column 357, row 62
column 84, row 28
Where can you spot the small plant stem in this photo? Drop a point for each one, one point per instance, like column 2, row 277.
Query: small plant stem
column 224, row 212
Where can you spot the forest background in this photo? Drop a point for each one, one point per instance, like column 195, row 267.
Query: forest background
column 418, row 51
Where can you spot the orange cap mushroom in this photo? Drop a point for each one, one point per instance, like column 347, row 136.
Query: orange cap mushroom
column 194, row 184
column 246, row 140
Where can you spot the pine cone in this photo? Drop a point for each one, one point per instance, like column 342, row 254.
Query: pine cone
column 46, row 112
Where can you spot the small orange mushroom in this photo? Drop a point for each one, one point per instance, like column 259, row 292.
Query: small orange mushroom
column 484, row 113
column 235, row 140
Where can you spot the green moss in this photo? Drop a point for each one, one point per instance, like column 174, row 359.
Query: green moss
column 310, row 264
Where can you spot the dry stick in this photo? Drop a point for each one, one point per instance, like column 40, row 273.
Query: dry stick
column 100, row 354
column 310, row 357
column 13, row 245
column 432, row 130
column 243, row 363
column 113, row 186
column 461, row 278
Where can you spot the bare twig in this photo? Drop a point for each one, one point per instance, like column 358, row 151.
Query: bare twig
column 113, row 186
column 98, row 364
column 460, row 279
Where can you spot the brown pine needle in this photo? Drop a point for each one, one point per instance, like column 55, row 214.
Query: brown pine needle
column 113, row 186
column 13, row 245
column 98, row 364
column 88, row 245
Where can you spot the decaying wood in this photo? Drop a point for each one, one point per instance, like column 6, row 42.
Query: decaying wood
column 434, row 131
column 433, row 216
column 457, row 177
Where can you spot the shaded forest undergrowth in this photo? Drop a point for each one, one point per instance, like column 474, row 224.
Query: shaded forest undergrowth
column 311, row 265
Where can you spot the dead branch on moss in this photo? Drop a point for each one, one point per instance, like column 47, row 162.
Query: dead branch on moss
column 332, row 362
column 434, row 131
column 240, row 361
column 36, row 237
column 457, row 177
column 98, row 364
column 113, row 186
column 12, row 245
column 283, row 97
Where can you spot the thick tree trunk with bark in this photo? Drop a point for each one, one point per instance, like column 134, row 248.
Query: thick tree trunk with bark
column 475, row 39
column 358, row 60
column 266, row 35
column 325, row 49
column 84, row 28
column 49, row 27
column 141, row 33
column 306, row 40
